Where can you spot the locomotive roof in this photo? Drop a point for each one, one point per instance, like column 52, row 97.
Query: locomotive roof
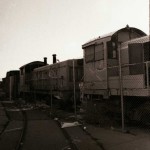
column 143, row 39
column 33, row 63
column 113, row 34
column 43, row 67
column 100, row 37
column 12, row 72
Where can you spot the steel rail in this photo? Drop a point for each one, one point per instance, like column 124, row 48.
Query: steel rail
column 5, row 126
column 20, row 143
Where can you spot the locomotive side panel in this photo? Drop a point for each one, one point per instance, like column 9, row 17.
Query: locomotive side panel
column 95, row 67
column 51, row 77
column 57, row 79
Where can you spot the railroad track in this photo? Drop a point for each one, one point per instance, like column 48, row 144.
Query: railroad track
column 34, row 129
column 47, row 132
column 13, row 131
column 20, row 142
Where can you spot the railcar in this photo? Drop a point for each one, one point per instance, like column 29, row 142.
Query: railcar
column 59, row 80
column 26, row 73
column 11, row 84
column 2, row 89
column 3, row 83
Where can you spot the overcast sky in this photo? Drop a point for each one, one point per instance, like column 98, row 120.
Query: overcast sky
column 33, row 29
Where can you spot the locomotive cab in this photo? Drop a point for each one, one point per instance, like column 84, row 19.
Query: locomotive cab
column 101, row 63
column 117, row 64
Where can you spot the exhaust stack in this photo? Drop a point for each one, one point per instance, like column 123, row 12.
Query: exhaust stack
column 45, row 60
column 54, row 58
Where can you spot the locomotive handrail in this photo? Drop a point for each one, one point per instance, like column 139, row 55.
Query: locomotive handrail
column 124, row 65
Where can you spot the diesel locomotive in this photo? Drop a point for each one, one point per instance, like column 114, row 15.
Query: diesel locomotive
column 122, row 54
column 59, row 80
column 118, row 65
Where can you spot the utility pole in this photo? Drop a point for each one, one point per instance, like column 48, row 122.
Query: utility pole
column 10, row 88
column 121, row 86
column 51, row 98
column 74, row 90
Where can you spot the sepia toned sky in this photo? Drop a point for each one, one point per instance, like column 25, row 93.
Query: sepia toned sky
column 33, row 29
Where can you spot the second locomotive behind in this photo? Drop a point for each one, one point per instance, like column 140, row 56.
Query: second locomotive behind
column 56, row 81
